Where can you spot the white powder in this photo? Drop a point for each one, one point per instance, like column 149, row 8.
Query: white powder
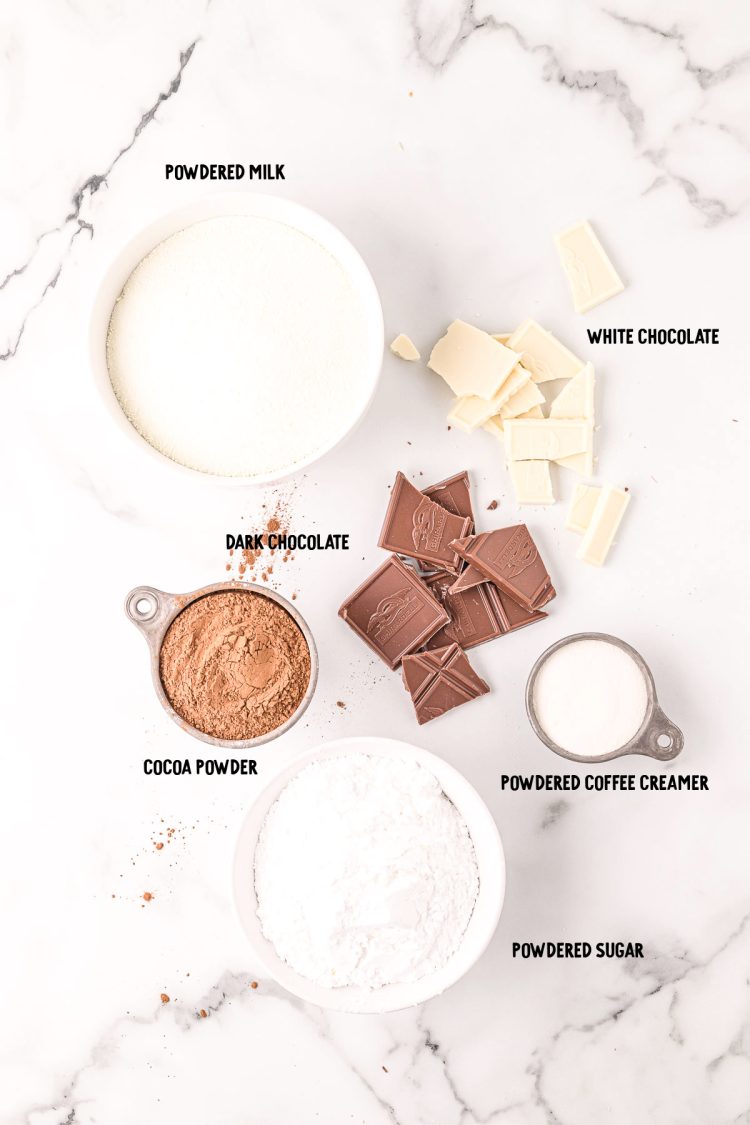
column 235, row 347
column 365, row 872
column 590, row 697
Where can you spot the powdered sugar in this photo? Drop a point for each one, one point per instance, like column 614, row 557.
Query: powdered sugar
column 365, row 872
column 235, row 347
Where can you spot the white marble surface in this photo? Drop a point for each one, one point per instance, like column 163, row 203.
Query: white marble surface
column 449, row 142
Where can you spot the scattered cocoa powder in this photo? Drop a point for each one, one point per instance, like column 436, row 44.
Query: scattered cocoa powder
column 234, row 665
column 203, row 1013
column 492, row 505
column 254, row 984
column 147, row 896
column 164, row 998
column 158, row 845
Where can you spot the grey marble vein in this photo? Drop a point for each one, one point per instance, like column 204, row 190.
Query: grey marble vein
column 438, row 51
column 230, row 986
column 553, row 812
column 665, row 979
column 705, row 76
column 83, row 194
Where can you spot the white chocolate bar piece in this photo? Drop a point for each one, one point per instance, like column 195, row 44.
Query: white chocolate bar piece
column 502, row 337
column 494, row 426
column 522, row 401
column 532, row 482
column 545, row 439
column 471, row 411
column 403, row 347
column 581, row 463
column 576, row 399
column 605, row 520
column 543, row 354
column 591, row 276
column 582, row 507
column 471, row 362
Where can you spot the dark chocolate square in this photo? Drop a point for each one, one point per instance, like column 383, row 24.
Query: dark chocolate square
column 440, row 680
column 418, row 527
column 393, row 612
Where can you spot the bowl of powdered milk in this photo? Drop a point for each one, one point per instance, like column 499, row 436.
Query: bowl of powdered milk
column 368, row 876
column 240, row 337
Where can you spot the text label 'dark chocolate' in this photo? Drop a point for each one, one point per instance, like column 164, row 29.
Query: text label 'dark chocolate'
column 419, row 528
column 393, row 612
column 440, row 680
column 509, row 558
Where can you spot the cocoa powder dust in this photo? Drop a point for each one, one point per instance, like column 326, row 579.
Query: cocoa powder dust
column 234, row 665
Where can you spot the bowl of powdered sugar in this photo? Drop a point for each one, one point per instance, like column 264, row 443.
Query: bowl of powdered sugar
column 369, row 876
column 240, row 337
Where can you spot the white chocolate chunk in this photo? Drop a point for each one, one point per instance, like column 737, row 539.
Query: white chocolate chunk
column 591, row 276
column 471, row 362
column 471, row 411
column 581, row 463
column 543, row 354
column 404, row 348
column 576, row 399
column 494, row 426
column 545, row 439
column 605, row 520
column 528, row 397
column 582, row 507
column 532, row 482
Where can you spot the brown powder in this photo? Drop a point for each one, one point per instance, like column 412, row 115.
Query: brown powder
column 234, row 665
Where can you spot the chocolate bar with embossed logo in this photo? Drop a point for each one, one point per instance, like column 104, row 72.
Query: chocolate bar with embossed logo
column 393, row 612
column 417, row 527
column 468, row 578
column 477, row 615
column 440, row 680
column 453, row 494
column 509, row 557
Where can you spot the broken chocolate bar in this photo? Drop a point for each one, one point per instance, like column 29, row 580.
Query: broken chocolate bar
column 393, row 612
column 479, row 614
column 474, row 616
column 468, row 578
column 419, row 528
column 509, row 558
column 453, row 494
column 440, row 680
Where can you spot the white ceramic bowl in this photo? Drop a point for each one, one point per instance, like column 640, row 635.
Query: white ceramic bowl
column 261, row 206
column 490, row 861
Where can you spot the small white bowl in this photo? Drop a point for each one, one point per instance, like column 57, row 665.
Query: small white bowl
column 259, row 206
column 490, row 861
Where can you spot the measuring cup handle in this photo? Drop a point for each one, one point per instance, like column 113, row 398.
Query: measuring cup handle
column 661, row 728
column 147, row 607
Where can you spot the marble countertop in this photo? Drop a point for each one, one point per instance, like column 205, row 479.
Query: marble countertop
column 449, row 141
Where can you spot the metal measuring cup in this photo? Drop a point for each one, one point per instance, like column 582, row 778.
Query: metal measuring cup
column 152, row 611
column 657, row 736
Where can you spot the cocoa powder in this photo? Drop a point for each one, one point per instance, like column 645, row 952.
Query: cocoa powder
column 234, row 665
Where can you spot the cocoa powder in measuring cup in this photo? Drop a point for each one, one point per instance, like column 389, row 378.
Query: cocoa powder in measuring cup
column 234, row 665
